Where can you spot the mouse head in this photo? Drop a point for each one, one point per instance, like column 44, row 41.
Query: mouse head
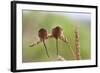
column 42, row 34
column 57, row 32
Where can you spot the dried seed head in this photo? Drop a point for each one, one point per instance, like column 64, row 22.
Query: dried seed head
column 57, row 32
column 42, row 34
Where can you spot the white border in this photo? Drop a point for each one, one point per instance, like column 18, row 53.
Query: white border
column 21, row 65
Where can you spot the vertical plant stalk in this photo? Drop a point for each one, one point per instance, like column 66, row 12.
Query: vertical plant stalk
column 73, row 53
column 77, row 43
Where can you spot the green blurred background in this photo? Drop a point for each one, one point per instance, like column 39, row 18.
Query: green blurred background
column 32, row 21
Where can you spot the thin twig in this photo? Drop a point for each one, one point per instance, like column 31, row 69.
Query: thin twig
column 50, row 36
column 72, row 51
column 36, row 43
column 33, row 44
column 64, row 39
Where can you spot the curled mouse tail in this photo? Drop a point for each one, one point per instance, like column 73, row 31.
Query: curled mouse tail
column 45, row 48
column 57, row 46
